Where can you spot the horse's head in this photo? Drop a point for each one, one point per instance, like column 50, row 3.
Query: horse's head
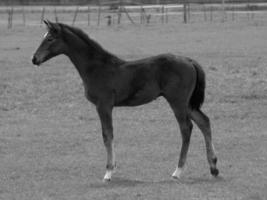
column 52, row 44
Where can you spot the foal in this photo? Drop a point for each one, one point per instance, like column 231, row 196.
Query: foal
column 110, row 81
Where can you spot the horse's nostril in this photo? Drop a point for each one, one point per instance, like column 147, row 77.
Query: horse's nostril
column 34, row 60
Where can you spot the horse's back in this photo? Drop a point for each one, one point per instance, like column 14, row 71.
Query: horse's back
column 142, row 81
column 163, row 64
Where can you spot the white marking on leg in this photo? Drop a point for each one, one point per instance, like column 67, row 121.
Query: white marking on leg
column 177, row 173
column 108, row 175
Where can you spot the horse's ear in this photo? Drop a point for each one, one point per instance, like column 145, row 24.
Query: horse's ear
column 52, row 27
column 48, row 24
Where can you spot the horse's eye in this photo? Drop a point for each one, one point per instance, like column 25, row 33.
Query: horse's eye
column 50, row 39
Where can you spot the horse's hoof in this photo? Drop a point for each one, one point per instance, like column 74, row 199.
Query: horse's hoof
column 177, row 173
column 176, row 177
column 214, row 172
column 105, row 180
column 107, row 177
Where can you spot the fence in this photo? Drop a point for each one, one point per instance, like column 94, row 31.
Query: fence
column 103, row 14
column 129, row 2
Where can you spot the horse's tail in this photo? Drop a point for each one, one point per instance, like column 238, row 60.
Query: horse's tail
column 198, row 94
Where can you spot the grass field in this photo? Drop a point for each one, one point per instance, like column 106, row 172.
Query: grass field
column 50, row 141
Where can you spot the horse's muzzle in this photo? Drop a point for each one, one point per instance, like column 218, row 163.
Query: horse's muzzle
column 35, row 61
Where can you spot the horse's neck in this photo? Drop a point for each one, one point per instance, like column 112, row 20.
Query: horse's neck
column 86, row 58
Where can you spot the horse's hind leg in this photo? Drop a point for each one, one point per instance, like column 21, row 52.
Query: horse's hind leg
column 186, row 126
column 203, row 123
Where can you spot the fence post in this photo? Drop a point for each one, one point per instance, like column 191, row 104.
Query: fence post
column 211, row 13
column 56, row 18
column 252, row 12
column 205, row 13
column 141, row 14
column 233, row 13
column 75, row 15
column 119, row 15
column 99, row 14
column 223, row 10
column 23, row 16
column 167, row 16
column 188, row 11
column 162, row 14
column 10, row 17
column 42, row 16
column 185, row 12
column 88, row 15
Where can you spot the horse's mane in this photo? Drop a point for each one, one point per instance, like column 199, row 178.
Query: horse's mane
column 93, row 45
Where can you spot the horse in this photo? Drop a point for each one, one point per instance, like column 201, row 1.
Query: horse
column 110, row 81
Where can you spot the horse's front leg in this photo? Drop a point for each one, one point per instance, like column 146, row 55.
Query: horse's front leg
column 105, row 113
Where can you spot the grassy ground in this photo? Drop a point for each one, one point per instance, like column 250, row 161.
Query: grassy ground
column 50, row 141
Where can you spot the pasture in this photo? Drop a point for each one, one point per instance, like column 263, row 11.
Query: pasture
column 51, row 146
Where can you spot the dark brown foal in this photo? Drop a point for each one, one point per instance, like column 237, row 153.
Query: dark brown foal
column 110, row 81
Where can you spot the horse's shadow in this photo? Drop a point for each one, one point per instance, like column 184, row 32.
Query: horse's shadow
column 200, row 180
column 124, row 182
column 117, row 182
